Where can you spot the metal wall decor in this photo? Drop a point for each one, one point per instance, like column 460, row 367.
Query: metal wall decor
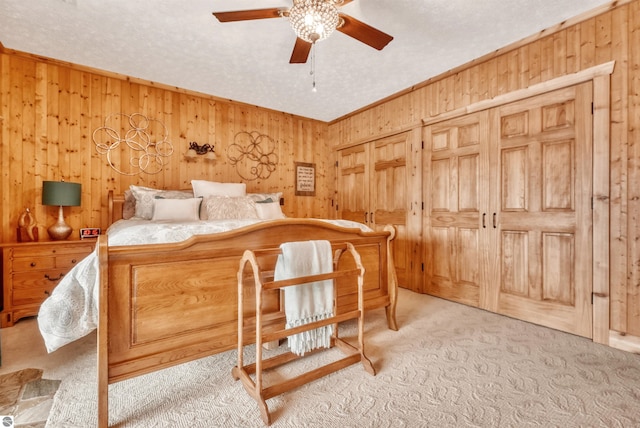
column 207, row 151
column 253, row 154
column 136, row 151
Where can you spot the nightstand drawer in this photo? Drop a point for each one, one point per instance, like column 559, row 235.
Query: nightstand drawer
column 38, row 279
column 33, row 295
column 52, row 250
column 60, row 261
column 68, row 262
column 32, row 263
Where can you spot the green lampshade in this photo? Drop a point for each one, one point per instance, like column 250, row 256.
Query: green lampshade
column 61, row 193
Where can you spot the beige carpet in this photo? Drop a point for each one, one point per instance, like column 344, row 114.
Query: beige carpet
column 448, row 366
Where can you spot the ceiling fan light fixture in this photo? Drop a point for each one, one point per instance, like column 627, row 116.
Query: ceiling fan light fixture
column 313, row 20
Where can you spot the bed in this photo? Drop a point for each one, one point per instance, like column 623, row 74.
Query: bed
column 163, row 304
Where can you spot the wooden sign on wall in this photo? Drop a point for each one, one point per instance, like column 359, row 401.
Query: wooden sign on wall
column 305, row 179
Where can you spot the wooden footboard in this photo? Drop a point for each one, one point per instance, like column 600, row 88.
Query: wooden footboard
column 166, row 304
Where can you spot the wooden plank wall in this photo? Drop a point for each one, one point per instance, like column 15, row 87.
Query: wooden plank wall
column 611, row 32
column 50, row 109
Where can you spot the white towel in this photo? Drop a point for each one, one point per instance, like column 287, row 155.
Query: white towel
column 308, row 302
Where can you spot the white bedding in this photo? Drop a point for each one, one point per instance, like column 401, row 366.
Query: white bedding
column 71, row 311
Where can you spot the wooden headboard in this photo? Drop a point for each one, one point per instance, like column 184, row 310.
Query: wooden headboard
column 115, row 204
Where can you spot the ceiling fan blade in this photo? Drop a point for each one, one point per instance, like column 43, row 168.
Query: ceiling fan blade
column 364, row 33
column 300, row 52
column 246, row 15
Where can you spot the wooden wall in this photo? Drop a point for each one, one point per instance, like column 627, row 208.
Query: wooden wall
column 49, row 110
column 611, row 32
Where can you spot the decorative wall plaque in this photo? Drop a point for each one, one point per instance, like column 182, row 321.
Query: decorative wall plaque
column 305, row 179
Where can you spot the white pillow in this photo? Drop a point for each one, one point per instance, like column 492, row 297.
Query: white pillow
column 212, row 188
column 269, row 210
column 145, row 196
column 176, row 209
column 227, row 207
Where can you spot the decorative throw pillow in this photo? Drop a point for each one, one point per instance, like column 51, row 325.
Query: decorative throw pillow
column 228, row 207
column 176, row 209
column 262, row 197
column 212, row 188
column 146, row 195
column 269, row 210
column 129, row 206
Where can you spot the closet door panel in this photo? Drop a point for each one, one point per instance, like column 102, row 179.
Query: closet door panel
column 557, row 171
column 514, row 179
column 514, row 272
column 544, row 216
column 389, row 203
column 353, row 183
column 558, row 279
column 467, row 251
column 456, row 184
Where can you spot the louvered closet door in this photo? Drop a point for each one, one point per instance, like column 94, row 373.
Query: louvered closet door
column 541, row 181
column 456, row 195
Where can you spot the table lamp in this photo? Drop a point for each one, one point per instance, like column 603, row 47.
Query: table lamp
column 61, row 194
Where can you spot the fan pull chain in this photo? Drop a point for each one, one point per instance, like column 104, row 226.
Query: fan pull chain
column 313, row 67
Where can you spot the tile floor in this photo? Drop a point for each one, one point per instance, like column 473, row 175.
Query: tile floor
column 26, row 397
column 28, row 378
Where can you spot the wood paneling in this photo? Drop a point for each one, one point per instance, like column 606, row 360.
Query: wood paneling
column 609, row 33
column 50, row 110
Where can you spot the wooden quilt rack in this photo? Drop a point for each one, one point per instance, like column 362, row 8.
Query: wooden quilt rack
column 264, row 281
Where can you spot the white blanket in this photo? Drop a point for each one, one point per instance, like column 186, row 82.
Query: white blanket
column 308, row 302
column 71, row 311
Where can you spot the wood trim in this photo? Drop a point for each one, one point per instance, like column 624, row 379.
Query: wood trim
column 103, row 339
column 600, row 206
column 624, row 342
column 382, row 136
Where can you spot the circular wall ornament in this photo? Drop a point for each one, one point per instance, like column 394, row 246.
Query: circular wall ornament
column 253, row 154
column 144, row 144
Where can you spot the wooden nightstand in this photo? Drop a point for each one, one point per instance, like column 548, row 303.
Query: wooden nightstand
column 30, row 271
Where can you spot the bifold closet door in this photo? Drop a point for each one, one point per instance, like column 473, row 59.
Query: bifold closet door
column 508, row 216
column 375, row 188
column 353, row 183
column 456, row 194
column 541, row 175
column 390, row 190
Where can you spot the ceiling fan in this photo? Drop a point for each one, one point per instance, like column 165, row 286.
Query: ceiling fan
column 313, row 20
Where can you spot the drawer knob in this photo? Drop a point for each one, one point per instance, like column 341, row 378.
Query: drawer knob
column 46, row 275
column 74, row 261
column 47, row 292
column 33, row 264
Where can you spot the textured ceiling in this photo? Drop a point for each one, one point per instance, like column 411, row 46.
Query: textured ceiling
column 180, row 43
